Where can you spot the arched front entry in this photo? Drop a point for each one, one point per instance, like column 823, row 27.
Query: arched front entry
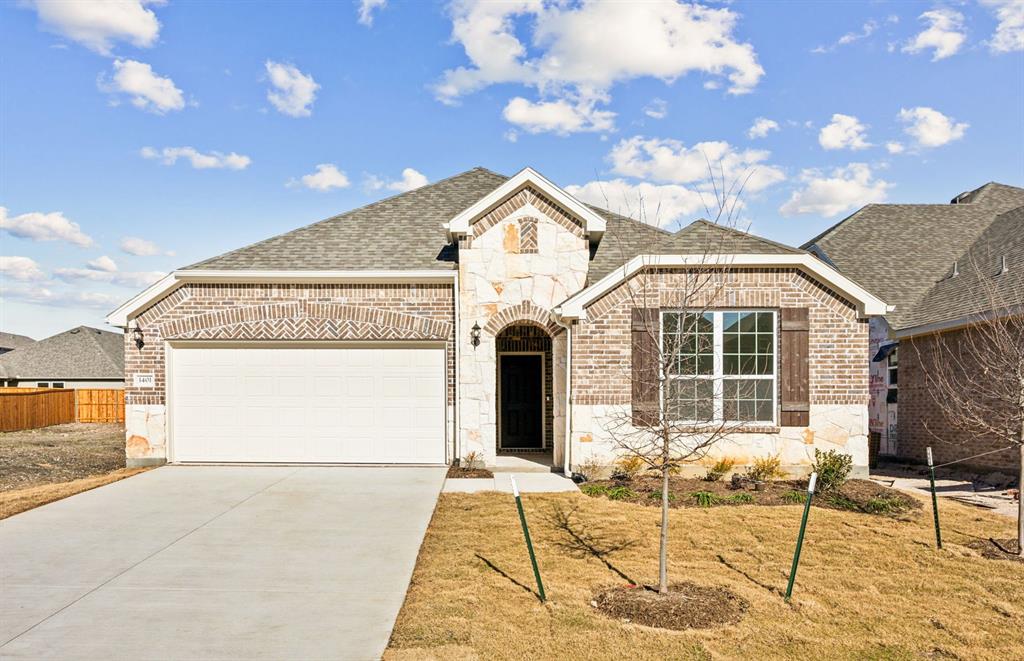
column 525, row 401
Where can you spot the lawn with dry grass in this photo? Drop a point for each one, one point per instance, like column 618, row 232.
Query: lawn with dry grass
column 868, row 586
column 21, row 500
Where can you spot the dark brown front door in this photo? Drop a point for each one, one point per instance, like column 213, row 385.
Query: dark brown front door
column 522, row 408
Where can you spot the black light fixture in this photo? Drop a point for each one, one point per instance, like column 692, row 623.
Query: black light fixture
column 138, row 337
column 474, row 335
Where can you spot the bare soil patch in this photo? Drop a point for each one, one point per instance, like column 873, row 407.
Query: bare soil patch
column 855, row 495
column 686, row 606
column 60, row 453
column 456, row 471
column 996, row 549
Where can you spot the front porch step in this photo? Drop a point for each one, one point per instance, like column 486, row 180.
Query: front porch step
column 532, row 462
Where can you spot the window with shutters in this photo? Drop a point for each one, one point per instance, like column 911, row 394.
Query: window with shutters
column 723, row 365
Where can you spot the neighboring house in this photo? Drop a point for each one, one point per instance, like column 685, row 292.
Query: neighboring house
column 478, row 314
column 82, row 357
column 11, row 341
column 937, row 265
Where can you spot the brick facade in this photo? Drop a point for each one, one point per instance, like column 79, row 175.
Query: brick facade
column 838, row 340
column 288, row 312
column 922, row 422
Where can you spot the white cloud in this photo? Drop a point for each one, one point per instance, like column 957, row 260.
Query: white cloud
column 656, row 109
column 39, row 226
column 1009, row 34
column 103, row 263
column 133, row 279
column 945, row 34
column 762, row 127
column 97, row 25
column 670, row 161
column 866, row 31
column 894, row 147
column 294, row 92
column 411, row 180
column 75, row 298
column 327, row 177
column 23, row 269
column 844, row 132
column 199, row 160
column 655, row 204
column 561, row 116
column 843, row 189
column 148, row 91
column 366, row 9
column 572, row 58
column 139, row 247
column 930, row 128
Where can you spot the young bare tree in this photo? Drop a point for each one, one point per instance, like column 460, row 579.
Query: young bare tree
column 976, row 375
column 683, row 413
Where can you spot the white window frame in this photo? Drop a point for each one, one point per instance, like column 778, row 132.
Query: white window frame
column 718, row 376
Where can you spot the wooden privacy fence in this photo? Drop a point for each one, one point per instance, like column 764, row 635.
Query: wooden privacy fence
column 38, row 408
column 97, row 405
column 30, row 408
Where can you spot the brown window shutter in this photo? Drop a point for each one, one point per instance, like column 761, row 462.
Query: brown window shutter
column 646, row 331
column 795, row 368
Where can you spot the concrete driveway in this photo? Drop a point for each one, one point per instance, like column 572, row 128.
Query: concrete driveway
column 225, row 562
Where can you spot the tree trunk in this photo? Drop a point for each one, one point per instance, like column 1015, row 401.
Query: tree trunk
column 1020, row 504
column 663, row 553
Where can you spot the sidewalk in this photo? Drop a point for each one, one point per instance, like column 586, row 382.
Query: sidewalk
column 528, row 483
column 915, row 479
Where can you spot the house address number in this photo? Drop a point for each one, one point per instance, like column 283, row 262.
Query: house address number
column 144, row 380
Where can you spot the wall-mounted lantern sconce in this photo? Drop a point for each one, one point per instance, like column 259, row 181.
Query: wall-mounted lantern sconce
column 138, row 337
column 474, row 335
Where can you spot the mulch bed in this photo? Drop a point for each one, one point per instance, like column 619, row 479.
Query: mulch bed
column 855, row 495
column 998, row 549
column 686, row 606
column 59, row 453
column 456, row 471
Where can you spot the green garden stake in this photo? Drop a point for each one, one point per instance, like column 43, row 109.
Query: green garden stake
column 529, row 544
column 935, row 499
column 800, row 537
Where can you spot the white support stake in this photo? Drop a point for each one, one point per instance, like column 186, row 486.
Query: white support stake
column 813, row 481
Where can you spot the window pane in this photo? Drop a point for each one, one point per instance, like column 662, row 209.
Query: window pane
column 747, row 400
column 730, row 343
column 731, row 364
column 730, row 322
column 748, row 322
column 764, row 322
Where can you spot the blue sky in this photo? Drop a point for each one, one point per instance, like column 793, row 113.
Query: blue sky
column 142, row 136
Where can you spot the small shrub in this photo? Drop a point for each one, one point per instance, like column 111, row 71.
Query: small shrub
column 656, row 495
column 594, row 489
column 628, row 467
column 832, row 468
column 766, row 468
column 741, row 498
column 883, row 505
column 621, row 493
column 590, row 469
column 705, row 498
column 472, row 461
column 840, row 501
column 793, row 497
column 718, row 471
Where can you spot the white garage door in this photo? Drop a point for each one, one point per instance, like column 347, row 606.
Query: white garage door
column 308, row 404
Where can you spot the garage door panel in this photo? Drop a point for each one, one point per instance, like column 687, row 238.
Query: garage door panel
column 343, row 405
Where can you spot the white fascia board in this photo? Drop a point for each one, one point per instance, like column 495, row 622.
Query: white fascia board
column 594, row 224
column 172, row 281
column 868, row 304
column 959, row 322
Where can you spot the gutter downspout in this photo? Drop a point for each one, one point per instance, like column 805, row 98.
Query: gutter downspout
column 567, row 437
column 457, row 441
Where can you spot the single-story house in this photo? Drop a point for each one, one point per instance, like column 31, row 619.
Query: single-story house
column 485, row 314
column 943, row 268
column 12, row 341
column 82, row 357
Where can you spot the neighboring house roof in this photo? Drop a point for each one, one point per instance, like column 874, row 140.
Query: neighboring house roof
column 904, row 253
column 11, row 341
column 79, row 353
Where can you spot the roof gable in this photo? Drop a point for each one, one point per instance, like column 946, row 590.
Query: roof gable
column 78, row 353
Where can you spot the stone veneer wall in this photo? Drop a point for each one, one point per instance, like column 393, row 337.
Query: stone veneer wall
column 273, row 312
column 601, row 378
column 921, row 418
column 505, row 278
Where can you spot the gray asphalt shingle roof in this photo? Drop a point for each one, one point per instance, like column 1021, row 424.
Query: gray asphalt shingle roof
column 9, row 341
column 904, row 253
column 79, row 353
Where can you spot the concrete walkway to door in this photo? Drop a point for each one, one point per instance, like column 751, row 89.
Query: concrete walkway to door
column 225, row 562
